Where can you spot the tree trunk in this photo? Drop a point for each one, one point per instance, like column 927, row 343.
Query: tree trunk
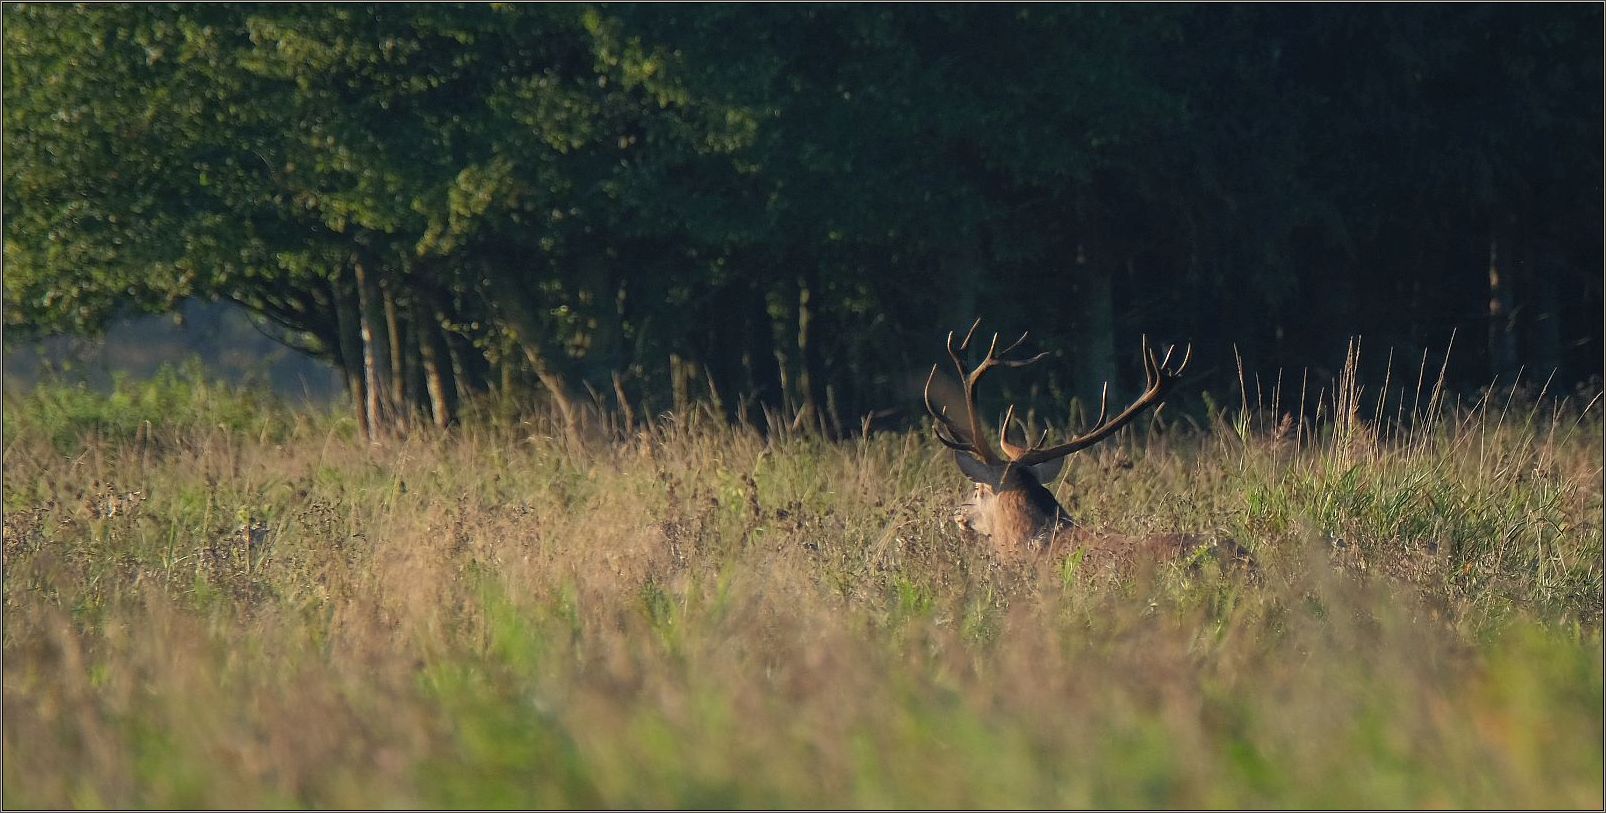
column 435, row 373
column 505, row 369
column 351, row 357
column 762, row 372
column 370, row 318
column 396, row 358
column 1502, row 338
column 781, row 334
column 808, row 352
column 526, row 332
column 679, row 384
column 466, row 380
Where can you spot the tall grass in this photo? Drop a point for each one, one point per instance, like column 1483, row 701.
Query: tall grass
column 217, row 602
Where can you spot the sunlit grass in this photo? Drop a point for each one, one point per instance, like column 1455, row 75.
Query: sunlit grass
column 237, row 605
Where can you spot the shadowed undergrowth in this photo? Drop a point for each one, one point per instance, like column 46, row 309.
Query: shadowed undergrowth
column 211, row 602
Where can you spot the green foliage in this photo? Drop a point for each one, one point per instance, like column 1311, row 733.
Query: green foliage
column 780, row 203
column 177, row 401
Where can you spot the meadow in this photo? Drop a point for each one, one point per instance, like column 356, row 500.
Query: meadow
column 212, row 599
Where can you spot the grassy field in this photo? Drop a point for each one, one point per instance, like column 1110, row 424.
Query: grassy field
column 212, row 601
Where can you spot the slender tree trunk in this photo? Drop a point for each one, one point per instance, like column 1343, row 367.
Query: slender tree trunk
column 526, row 331
column 808, row 352
column 781, row 334
column 758, row 352
column 371, row 327
column 505, row 383
column 435, row 373
column 679, row 383
column 1502, row 337
column 466, row 380
column 396, row 357
column 569, row 408
column 350, row 344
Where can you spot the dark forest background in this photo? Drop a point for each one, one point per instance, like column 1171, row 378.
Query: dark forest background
column 782, row 210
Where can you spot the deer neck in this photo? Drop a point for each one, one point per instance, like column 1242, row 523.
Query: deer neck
column 1025, row 514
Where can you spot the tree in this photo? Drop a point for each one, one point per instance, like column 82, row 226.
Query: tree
column 781, row 209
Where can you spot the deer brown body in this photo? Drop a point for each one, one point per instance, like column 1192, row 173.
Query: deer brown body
column 1011, row 503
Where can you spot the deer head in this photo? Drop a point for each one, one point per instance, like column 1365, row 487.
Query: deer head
column 1011, row 503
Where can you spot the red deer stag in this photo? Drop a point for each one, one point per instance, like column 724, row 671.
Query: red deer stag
column 1011, row 503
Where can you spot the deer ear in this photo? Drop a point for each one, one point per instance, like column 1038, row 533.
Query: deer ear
column 1047, row 470
column 979, row 472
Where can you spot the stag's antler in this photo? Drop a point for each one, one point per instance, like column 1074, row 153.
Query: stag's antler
column 1161, row 376
column 949, row 432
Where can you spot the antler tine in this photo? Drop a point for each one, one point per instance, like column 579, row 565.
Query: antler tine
column 964, row 345
column 1187, row 356
column 953, row 352
column 1104, row 407
column 945, row 427
column 1005, row 423
column 1165, row 361
column 1164, row 364
column 1151, row 367
column 957, row 353
column 1022, row 362
column 1006, row 351
column 1012, row 451
column 926, row 393
column 970, row 377
column 1160, row 376
column 946, row 439
column 948, row 431
column 943, row 421
column 996, row 356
